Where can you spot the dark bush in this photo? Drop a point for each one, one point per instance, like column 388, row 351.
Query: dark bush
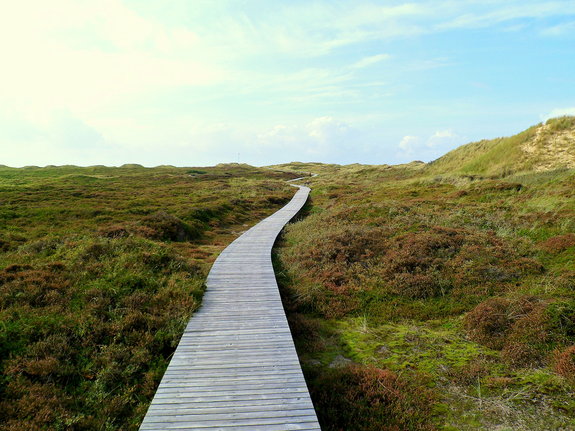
column 564, row 363
column 356, row 398
column 440, row 260
column 525, row 329
column 526, row 344
column 35, row 287
column 416, row 286
column 114, row 231
column 558, row 243
column 4, row 245
column 277, row 200
column 346, row 245
column 489, row 322
column 166, row 227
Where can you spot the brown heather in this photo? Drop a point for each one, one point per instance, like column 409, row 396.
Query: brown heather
column 564, row 363
column 371, row 399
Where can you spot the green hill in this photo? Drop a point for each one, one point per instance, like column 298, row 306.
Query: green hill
column 540, row 148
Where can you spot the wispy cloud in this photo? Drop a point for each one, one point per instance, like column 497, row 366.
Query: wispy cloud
column 565, row 28
column 93, row 77
column 494, row 13
column 369, row 61
column 430, row 148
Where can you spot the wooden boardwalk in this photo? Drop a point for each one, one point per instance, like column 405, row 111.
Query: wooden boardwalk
column 236, row 367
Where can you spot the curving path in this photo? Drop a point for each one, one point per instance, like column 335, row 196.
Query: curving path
column 236, row 367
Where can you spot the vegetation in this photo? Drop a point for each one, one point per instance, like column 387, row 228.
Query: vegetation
column 421, row 296
column 100, row 269
column 429, row 299
column 542, row 147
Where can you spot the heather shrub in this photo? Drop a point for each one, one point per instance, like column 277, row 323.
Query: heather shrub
column 357, row 398
column 442, row 260
column 525, row 329
column 307, row 331
column 114, row 231
column 386, row 248
column 527, row 340
column 27, row 405
column 91, row 312
column 470, row 373
column 166, row 227
column 417, row 286
column 102, row 325
column 560, row 316
column 564, row 363
column 489, row 322
column 350, row 264
column 558, row 243
column 345, row 244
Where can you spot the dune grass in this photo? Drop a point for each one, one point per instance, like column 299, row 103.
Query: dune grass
column 542, row 147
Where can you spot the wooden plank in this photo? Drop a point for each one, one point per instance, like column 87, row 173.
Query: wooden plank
column 236, row 367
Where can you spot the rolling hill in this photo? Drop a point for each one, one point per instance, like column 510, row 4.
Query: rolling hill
column 543, row 147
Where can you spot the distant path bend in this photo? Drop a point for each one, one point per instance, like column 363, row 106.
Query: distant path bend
column 236, row 367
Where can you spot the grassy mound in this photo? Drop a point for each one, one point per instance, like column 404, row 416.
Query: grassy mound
column 544, row 147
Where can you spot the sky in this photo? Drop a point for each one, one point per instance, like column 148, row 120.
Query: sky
column 200, row 82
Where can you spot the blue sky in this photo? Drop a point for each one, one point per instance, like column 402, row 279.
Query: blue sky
column 201, row 82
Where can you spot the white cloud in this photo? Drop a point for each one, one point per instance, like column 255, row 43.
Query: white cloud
column 84, row 55
column 496, row 13
column 441, row 137
column 409, row 144
column 323, row 138
column 558, row 112
column 437, row 144
column 560, row 29
column 369, row 61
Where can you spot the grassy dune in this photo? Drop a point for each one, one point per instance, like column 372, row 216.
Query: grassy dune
column 100, row 269
column 540, row 148
column 423, row 300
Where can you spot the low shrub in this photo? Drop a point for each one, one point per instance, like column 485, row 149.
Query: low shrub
column 359, row 398
column 442, row 261
column 4, row 245
column 166, row 227
column 470, row 373
column 489, row 322
column 101, row 325
column 557, row 244
column 527, row 341
column 114, row 231
column 416, row 286
column 344, row 245
column 525, row 329
column 564, row 363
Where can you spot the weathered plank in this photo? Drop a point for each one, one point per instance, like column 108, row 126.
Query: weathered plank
column 236, row 367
